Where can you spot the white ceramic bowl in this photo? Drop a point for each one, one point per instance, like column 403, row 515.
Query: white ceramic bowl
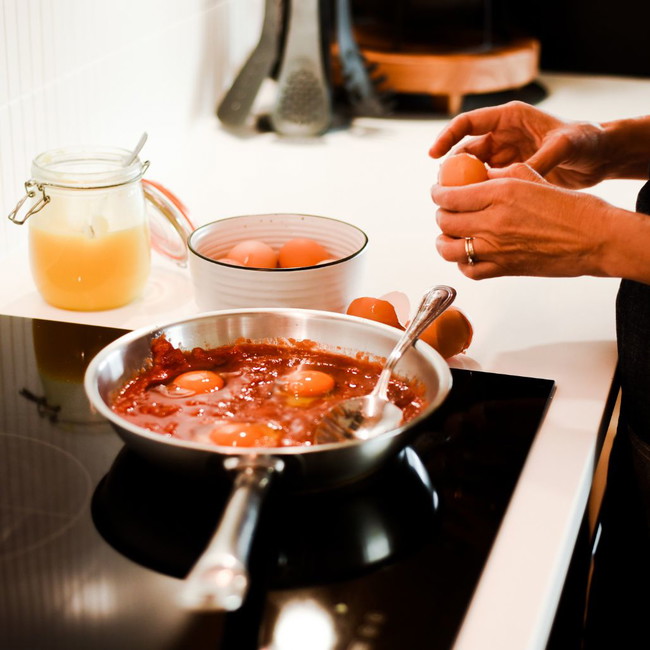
column 330, row 286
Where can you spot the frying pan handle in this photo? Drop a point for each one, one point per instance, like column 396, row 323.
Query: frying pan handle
column 219, row 579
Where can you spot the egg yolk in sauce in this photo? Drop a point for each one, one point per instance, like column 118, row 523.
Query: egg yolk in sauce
column 198, row 381
column 308, row 383
column 245, row 434
column 251, row 394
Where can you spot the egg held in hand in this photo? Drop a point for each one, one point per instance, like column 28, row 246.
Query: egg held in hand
column 462, row 169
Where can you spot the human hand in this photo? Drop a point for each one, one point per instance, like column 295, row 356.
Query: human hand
column 568, row 154
column 520, row 224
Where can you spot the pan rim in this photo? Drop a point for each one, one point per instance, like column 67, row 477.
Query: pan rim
column 149, row 331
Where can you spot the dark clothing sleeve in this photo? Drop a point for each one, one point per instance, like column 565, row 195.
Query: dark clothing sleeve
column 633, row 335
column 619, row 598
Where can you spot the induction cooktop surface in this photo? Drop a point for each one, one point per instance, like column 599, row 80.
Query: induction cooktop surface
column 96, row 541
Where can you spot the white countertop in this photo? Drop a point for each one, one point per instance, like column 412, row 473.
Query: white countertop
column 377, row 175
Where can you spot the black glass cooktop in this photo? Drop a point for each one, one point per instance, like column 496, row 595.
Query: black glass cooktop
column 95, row 541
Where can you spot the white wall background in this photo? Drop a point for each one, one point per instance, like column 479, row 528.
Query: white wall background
column 103, row 71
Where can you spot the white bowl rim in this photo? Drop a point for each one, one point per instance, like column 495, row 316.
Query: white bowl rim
column 292, row 269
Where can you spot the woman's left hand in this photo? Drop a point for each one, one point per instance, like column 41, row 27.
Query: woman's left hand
column 520, row 224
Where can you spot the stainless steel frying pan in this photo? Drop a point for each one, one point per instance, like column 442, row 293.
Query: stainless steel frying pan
column 219, row 579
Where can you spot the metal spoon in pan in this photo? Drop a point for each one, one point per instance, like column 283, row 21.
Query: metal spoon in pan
column 373, row 414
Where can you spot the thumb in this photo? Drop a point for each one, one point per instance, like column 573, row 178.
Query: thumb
column 518, row 170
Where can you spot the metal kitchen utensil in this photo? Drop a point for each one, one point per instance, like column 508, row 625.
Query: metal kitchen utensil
column 361, row 86
column 136, row 150
column 221, row 583
column 371, row 415
column 303, row 104
column 237, row 102
column 219, row 580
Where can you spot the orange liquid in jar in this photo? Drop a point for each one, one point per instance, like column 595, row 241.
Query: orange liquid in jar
column 82, row 272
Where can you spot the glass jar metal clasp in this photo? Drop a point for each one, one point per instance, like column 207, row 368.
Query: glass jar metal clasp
column 31, row 189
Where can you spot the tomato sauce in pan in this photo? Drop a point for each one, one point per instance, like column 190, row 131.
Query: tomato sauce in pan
column 250, row 394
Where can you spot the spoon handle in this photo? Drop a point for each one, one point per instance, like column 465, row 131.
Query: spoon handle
column 219, row 579
column 138, row 147
column 433, row 303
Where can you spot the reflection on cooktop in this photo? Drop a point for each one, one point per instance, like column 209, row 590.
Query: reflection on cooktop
column 164, row 522
column 35, row 517
column 389, row 562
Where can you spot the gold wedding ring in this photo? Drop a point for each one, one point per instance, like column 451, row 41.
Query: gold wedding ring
column 469, row 250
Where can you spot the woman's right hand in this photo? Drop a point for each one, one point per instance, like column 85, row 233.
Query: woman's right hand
column 568, row 154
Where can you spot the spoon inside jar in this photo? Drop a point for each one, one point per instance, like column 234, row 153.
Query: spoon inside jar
column 136, row 150
column 365, row 417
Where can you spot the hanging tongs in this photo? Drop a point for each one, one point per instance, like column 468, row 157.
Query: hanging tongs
column 237, row 102
column 364, row 87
